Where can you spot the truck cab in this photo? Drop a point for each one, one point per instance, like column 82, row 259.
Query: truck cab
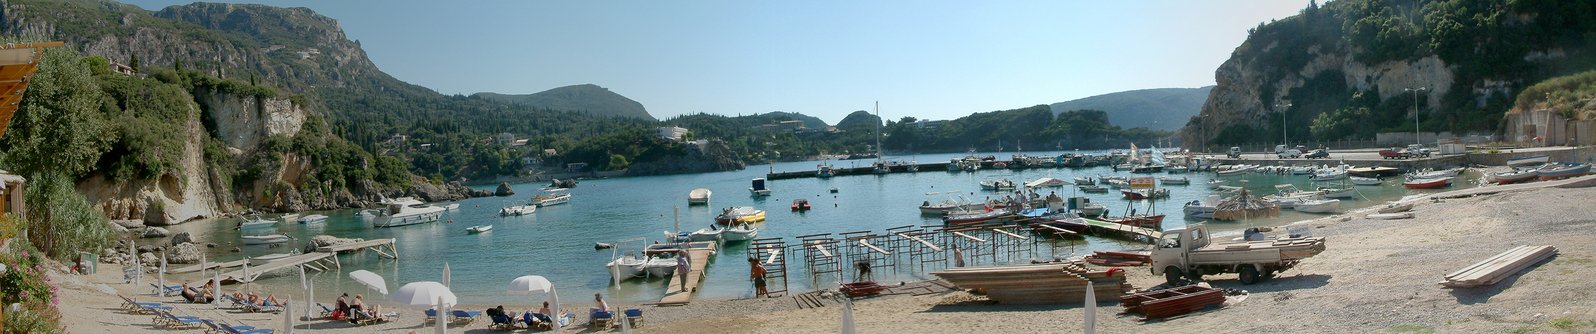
column 1174, row 249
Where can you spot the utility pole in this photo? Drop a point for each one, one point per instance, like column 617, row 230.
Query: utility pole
column 1283, row 107
column 1415, row 112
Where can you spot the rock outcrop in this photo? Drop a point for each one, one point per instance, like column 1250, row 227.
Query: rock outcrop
column 712, row 156
column 183, row 253
column 504, row 190
column 243, row 122
column 182, row 238
column 168, row 198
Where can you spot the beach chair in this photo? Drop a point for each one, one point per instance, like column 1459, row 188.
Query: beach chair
column 464, row 317
column 536, row 321
column 167, row 290
column 241, row 329
column 237, row 303
column 265, row 306
column 634, row 317
column 502, row 322
column 215, row 327
column 168, row 320
column 602, row 319
column 137, row 307
column 432, row 315
column 326, row 313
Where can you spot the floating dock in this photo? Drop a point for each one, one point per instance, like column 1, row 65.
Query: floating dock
column 698, row 253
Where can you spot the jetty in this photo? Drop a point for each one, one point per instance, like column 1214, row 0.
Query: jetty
column 1103, row 228
column 209, row 266
column 319, row 261
column 698, row 253
column 383, row 247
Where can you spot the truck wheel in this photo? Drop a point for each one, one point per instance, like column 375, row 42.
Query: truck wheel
column 1248, row 274
column 1172, row 275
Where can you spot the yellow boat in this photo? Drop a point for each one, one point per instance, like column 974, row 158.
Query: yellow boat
column 740, row 215
column 757, row 216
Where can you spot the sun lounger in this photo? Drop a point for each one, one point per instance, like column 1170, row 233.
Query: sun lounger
column 432, row 315
column 141, row 307
column 464, row 317
column 502, row 322
column 536, row 321
column 634, row 316
column 166, row 291
column 167, row 320
column 602, row 319
column 325, row 312
column 223, row 327
column 265, row 306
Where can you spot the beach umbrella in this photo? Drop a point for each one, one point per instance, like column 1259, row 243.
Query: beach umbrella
column 847, row 316
column 533, row 283
column 245, row 279
column 443, row 313
column 138, row 267
column 288, row 316
column 1091, row 309
column 161, row 275
column 371, row 280
column 203, row 263
column 216, row 276
column 446, row 275
column 423, row 295
column 308, row 297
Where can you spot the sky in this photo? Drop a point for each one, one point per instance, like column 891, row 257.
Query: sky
column 927, row 59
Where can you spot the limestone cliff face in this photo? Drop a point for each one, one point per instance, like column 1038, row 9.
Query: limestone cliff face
column 193, row 193
column 244, row 122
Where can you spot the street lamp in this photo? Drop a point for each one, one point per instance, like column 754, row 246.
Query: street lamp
column 1415, row 112
column 1283, row 106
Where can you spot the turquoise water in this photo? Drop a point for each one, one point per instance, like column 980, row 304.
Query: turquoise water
column 557, row 241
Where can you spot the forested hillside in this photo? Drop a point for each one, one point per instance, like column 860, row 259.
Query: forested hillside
column 1162, row 109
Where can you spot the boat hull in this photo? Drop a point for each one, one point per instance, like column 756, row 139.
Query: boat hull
column 739, row 235
column 1563, row 172
column 409, row 219
column 1325, row 206
column 1428, row 184
column 624, row 268
column 1511, row 178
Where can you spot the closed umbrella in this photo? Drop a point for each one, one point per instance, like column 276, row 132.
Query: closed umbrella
column 288, row 316
column 161, row 275
column 216, row 277
column 371, row 280
column 533, row 283
column 847, row 316
column 446, row 275
column 443, row 313
column 1091, row 309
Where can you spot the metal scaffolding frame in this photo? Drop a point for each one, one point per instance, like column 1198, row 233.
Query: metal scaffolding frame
column 772, row 252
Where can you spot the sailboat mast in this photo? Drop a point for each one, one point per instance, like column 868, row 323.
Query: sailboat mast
column 878, row 131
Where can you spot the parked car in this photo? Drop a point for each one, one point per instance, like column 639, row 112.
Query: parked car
column 1289, row 153
column 1303, row 149
column 1235, row 152
column 1393, row 153
column 1318, row 154
column 1417, row 151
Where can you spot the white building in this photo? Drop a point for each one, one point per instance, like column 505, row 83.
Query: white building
column 672, row 132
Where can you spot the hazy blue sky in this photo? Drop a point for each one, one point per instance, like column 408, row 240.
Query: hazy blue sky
column 928, row 59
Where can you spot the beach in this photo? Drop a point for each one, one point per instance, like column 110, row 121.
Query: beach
column 1377, row 275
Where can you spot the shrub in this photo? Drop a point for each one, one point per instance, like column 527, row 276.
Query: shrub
column 62, row 222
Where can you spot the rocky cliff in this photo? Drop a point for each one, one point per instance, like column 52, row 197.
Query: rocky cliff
column 243, row 122
column 193, row 192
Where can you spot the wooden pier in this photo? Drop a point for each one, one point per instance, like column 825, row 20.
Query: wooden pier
column 320, row 261
column 212, row 265
column 1103, row 228
column 940, row 167
column 383, row 247
column 698, row 259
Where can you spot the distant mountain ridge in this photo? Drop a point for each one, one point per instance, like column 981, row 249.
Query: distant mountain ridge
column 587, row 98
column 1156, row 109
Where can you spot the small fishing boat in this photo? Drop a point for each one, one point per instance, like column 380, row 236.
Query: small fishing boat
column 1369, row 181
column 1171, row 180
column 757, row 188
column 699, row 196
column 1428, row 183
column 1084, row 180
column 1333, row 192
column 518, row 210
column 628, row 266
column 1142, row 194
column 1372, row 171
column 1093, row 189
column 1302, row 170
column 479, row 229
column 255, row 222
column 1515, row 176
column 710, row 233
column 1117, row 184
column 1319, row 206
column 1091, row 209
column 1176, row 169
column 824, row 171
column 938, row 208
column 800, row 205
column 1215, row 184
column 739, row 232
column 1203, row 208
column 1229, row 170
column 997, row 184
column 960, row 218
column 1430, row 174
column 551, row 196
column 1562, row 170
column 265, row 239
column 452, row 206
column 1330, row 174
column 312, row 219
column 1529, row 160
column 1141, row 220
column 740, row 214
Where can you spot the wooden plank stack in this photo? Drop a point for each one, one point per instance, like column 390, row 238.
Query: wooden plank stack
column 1498, row 267
column 1054, row 283
column 1172, row 302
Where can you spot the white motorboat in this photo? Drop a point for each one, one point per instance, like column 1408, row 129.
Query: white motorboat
column 551, row 196
column 1288, row 196
column 1365, row 181
column 1319, row 206
column 406, row 211
column 518, row 210
column 1046, row 182
column 1092, row 209
column 1302, row 170
column 1203, row 208
column 1171, row 180
column 1084, row 180
column 711, row 233
column 1435, row 174
column 998, row 184
column 312, row 219
column 660, row 266
column 479, row 229
column 452, row 206
column 938, row 208
column 1176, row 169
column 1117, row 184
column 758, row 188
column 256, row 222
column 739, row 232
column 699, row 196
column 1330, row 174
column 1228, row 170
column 1333, row 192
column 1215, row 184
column 265, row 239
column 366, row 215
column 625, row 267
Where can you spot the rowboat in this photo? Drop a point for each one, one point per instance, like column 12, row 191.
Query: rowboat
column 1319, row 206
column 1430, row 174
column 1562, row 170
column 312, row 219
column 1084, row 180
column 1515, row 176
column 1366, row 181
column 1529, row 160
column 479, row 229
column 265, row 239
column 1147, row 221
column 1093, row 189
column 699, row 196
column 1429, row 183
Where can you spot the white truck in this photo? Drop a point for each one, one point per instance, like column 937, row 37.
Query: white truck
column 1190, row 253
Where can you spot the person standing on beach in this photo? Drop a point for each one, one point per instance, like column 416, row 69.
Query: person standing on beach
column 756, row 271
column 683, row 265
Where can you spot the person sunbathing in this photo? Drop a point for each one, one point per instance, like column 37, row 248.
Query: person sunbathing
column 189, row 294
column 271, row 300
column 543, row 313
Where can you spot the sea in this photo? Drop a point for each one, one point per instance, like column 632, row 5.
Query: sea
column 558, row 241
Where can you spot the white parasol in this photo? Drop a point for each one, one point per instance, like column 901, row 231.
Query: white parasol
column 371, row 280
column 526, row 285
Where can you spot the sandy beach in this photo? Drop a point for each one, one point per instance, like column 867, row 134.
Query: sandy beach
column 1376, row 276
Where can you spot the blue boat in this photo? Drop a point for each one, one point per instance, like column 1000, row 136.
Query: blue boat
column 1562, row 170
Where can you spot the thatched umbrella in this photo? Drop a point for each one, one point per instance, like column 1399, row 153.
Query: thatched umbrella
column 1245, row 206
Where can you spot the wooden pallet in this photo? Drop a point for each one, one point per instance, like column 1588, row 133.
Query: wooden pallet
column 1499, row 267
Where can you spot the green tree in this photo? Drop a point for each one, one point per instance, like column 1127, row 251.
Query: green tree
column 57, row 128
column 61, row 221
column 618, row 162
